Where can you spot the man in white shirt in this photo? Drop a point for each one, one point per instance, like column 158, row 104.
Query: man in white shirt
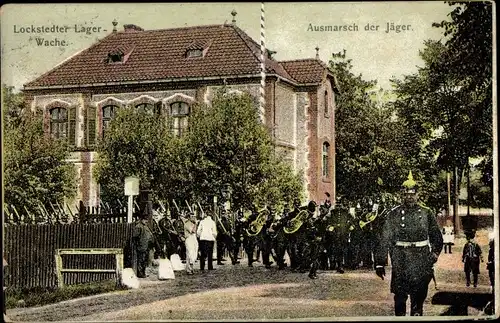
column 207, row 233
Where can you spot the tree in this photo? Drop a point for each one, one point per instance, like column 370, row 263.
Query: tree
column 451, row 94
column 467, row 62
column 35, row 167
column 228, row 145
column 368, row 156
column 136, row 144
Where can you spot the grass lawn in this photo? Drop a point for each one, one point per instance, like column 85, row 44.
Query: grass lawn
column 42, row 296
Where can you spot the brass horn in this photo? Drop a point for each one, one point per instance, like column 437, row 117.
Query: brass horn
column 296, row 222
column 256, row 225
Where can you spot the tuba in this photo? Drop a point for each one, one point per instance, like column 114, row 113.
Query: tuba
column 294, row 224
column 256, row 225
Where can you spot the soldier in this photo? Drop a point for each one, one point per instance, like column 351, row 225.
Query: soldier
column 414, row 241
column 249, row 241
column 341, row 223
column 316, row 231
column 280, row 241
column 224, row 238
column 367, row 235
column 307, row 244
column 237, row 237
column 143, row 241
column 326, row 252
column 355, row 240
column 265, row 238
column 292, row 246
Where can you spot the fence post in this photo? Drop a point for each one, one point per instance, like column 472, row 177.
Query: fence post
column 119, row 268
column 60, row 281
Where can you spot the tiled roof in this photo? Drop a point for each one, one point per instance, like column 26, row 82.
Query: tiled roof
column 305, row 70
column 161, row 54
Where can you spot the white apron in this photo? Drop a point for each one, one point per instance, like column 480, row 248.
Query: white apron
column 192, row 247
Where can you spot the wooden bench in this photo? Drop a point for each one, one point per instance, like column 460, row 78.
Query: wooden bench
column 118, row 252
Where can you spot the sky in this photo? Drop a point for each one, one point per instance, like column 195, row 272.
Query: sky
column 376, row 55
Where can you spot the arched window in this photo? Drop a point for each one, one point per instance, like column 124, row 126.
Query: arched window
column 179, row 111
column 108, row 113
column 58, row 122
column 148, row 108
column 326, row 102
column 324, row 159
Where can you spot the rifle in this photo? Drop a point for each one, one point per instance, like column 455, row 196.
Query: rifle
column 189, row 206
column 29, row 214
column 55, row 212
column 19, row 218
column 176, row 207
column 70, row 212
column 162, row 207
column 199, row 205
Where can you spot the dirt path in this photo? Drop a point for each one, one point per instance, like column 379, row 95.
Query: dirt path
column 239, row 292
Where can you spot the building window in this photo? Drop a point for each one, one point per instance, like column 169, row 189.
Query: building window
column 58, row 123
column 108, row 113
column 179, row 111
column 148, row 108
column 115, row 58
column 326, row 103
column 324, row 160
column 194, row 53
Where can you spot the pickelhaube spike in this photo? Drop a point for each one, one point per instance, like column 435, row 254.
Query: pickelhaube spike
column 410, row 185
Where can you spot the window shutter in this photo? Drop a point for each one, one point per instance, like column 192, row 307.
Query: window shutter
column 72, row 126
column 91, row 126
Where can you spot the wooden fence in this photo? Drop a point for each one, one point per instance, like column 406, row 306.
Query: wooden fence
column 30, row 248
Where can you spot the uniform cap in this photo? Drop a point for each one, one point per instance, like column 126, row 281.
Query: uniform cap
column 410, row 186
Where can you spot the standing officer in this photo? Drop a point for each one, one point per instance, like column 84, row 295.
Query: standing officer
column 408, row 232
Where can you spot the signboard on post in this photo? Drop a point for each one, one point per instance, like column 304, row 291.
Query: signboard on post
column 131, row 189
column 131, row 186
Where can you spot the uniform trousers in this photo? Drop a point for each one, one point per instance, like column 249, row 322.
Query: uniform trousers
column 418, row 294
column 142, row 262
column 315, row 248
column 249, row 245
column 206, row 251
column 266, row 249
column 471, row 265
column 224, row 243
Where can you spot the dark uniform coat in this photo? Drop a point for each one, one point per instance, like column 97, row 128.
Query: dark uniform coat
column 143, row 237
column 411, row 266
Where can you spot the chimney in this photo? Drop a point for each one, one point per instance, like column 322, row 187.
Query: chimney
column 317, row 52
column 234, row 13
column 132, row 28
column 115, row 23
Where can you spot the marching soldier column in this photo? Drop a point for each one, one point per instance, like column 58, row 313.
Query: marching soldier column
column 328, row 237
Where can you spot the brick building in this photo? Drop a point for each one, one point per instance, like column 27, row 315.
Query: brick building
column 166, row 71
